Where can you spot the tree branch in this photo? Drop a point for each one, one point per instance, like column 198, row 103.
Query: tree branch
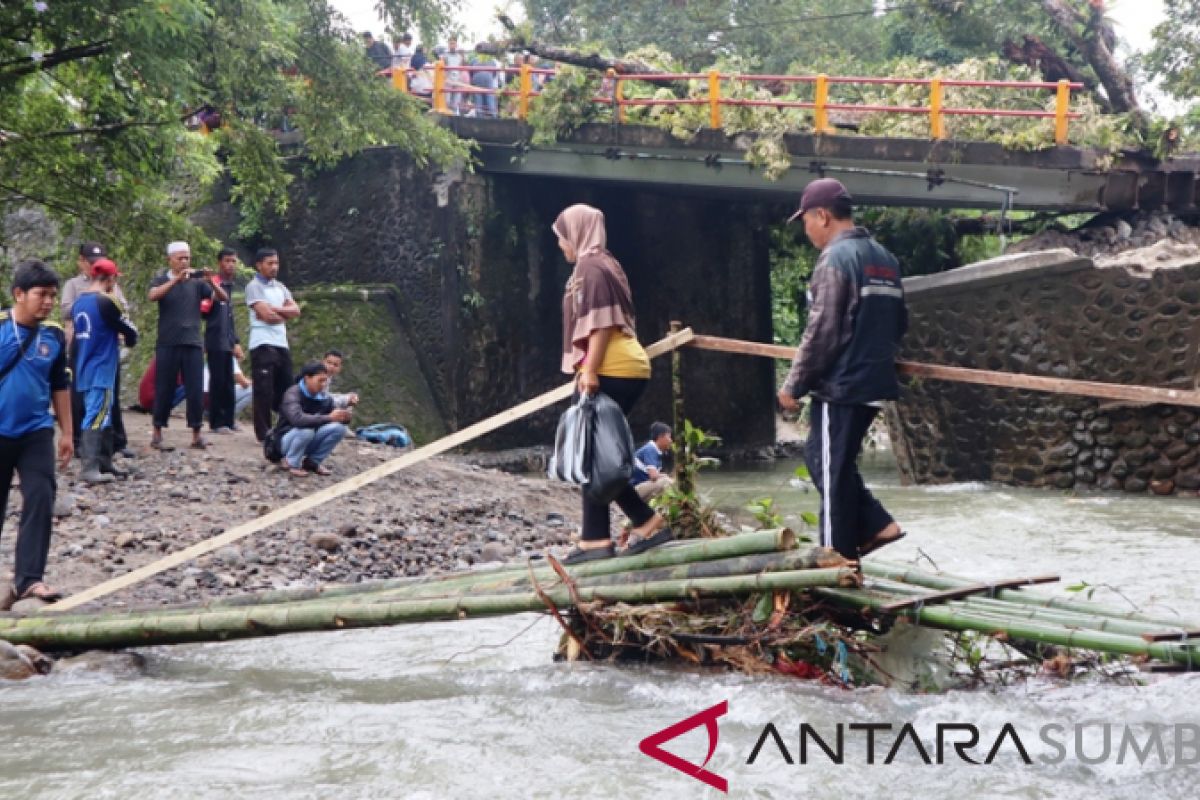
column 53, row 204
column 9, row 137
column 517, row 43
column 1092, row 43
column 28, row 64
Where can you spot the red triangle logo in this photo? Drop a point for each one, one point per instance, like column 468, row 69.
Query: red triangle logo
column 652, row 745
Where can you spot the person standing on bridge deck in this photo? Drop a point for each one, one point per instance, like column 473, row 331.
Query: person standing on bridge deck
column 846, row 361
column 600, row 348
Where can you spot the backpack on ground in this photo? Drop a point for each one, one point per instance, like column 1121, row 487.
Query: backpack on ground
column 385, row 433
column 273, row 446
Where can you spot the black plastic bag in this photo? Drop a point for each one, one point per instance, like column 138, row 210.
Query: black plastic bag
column 569, row 462
column 610, row 453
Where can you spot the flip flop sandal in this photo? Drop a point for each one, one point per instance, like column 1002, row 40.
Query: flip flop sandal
column 40, row 591
column 199, row 445
column 161, row 446
column 878, row 542
column 641, row 545
column 581, row 556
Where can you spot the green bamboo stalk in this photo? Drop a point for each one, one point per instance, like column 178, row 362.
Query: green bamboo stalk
column 808, row 558
column 742, row 544
column 235, row 623
column 943, row 581
column 1011, row 610
column 1068, row 618
column 957, row 619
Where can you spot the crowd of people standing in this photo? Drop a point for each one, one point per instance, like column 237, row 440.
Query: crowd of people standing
column 68, row 375
column 473, row 81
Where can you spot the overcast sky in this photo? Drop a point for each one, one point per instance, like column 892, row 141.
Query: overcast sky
column 1135, row 18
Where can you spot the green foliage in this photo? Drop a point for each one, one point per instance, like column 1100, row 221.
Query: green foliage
column 97, row 102
column 565, row 104
column 681, row 504
column 1175, row 59
column 792, row 262
column 765, row 512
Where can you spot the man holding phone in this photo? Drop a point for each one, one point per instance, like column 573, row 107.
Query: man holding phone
column 179, row 293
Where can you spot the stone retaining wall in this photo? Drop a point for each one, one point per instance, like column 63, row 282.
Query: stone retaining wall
column 1054, row 314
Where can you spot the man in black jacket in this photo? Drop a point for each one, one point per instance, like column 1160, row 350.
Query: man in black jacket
column 221, row 347
column 846, row 361
column 309, row 426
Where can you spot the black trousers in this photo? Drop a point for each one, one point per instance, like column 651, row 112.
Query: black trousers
column 271, row 369
column 850, row 514
column 596, row 518
column 220, row 389
column 172, row 360
column 32, row 457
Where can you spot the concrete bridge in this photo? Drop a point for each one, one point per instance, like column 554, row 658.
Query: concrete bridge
column 886, row 172
column 477, row 278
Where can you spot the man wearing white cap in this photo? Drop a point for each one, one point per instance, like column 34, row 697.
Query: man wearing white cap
column 180, row 347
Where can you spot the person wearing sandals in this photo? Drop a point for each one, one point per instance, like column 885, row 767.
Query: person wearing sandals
column 847, row 363
column 309, row 425
column 180, row 348
column 33, row 377
column 600, row 348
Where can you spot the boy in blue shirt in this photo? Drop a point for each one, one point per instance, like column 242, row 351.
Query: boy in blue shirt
column 99, row 323
column 33, row 375
column 648, row 477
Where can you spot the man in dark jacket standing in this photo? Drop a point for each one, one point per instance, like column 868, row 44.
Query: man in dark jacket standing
column 179, row 292
column 847, row 362
column 309, row 426
column 221, row 347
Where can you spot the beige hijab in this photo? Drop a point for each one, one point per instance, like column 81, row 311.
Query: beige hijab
column 597, row 294
column 583, row 228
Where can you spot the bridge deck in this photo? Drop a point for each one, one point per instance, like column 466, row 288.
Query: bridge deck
column 889, row 172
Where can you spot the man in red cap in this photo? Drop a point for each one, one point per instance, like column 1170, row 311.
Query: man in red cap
column 846, row 362
column 99, row 319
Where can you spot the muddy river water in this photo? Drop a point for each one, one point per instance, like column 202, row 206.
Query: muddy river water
column 477, row 709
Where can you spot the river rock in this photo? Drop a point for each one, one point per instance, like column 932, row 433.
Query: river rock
column 492, row 551
column 64, row 504
column 125, row 539
column 15, row 665
column 324, row 540
column 1162, row 487
column 124, row 663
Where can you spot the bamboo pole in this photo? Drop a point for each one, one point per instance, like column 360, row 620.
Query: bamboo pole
column 345, row 487
column 234, row 623
column 906, row 574
column 957, row 619
column 1014, row 610
column 742, row 544
column 1004, row 380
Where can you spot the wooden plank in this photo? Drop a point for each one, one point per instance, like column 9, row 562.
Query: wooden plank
column 1038, row 383
column 1005, row 380
column 342, row 488
column 964, row 591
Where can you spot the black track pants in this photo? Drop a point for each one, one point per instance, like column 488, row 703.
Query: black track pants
column 850, row 514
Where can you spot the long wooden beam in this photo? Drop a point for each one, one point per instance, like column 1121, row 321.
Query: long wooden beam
column 1003, row 380
column 965, row 591
column 345, row 487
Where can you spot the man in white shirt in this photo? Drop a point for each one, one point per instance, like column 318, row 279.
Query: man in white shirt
column 402, row 51
column 271, row 306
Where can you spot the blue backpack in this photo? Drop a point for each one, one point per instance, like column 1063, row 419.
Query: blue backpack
column 385, row 433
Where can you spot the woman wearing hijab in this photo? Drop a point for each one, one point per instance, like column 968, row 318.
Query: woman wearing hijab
column 600, row 348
